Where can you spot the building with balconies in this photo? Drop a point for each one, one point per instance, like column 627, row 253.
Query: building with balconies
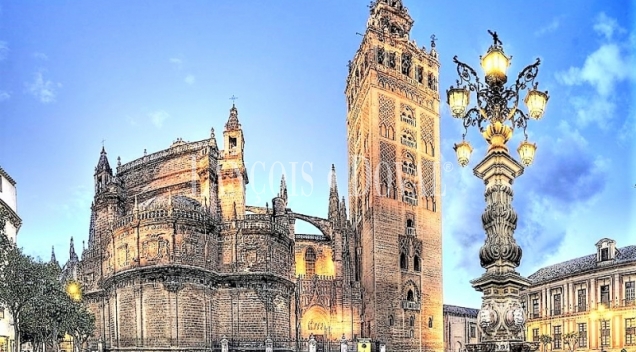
column 592, row 296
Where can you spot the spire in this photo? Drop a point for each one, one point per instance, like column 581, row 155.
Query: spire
column 91, row 229
column 283, row 188
column 232, row 121
column 53, row 259
column 333, row 185
column 212, row 142
column 343, row 211
column 72, row 256
column 102, row 164
column 333, row 196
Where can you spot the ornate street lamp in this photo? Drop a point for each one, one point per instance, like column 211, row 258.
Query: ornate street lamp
column 497, row 114
column 497, row 104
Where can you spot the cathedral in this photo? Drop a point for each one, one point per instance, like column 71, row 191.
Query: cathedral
column 177, row 260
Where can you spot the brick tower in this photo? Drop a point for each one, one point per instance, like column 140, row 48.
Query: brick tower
column 394, row 174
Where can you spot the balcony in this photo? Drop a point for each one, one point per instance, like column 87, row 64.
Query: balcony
column 409, row 200
column 408, row 170
column 535, row 315
column 555, row 312
column 408, row 142
column 410, row 231
column 410, row 305
column 408, row 120
column 580, row 308
column 604, row 304
column 629, row 302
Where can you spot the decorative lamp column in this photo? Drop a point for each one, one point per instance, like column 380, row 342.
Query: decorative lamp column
column 497, row 114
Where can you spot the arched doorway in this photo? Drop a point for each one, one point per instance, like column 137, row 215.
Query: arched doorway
column 315, row 321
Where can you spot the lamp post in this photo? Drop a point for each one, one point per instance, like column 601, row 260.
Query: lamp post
column 497, row 114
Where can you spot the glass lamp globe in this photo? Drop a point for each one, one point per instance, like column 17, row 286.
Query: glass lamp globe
column 526, row 152
column 495, row 64
column 536, row 102
column 458, row 99
column 463, row 151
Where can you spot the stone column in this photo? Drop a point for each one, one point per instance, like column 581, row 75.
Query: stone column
column 592, row 293
column 616, row 289
column 501, row 318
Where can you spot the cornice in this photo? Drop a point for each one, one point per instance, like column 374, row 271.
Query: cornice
column 6, row 211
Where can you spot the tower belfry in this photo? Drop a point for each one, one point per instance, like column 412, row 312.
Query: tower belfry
column 393, row 141
column 233, row 174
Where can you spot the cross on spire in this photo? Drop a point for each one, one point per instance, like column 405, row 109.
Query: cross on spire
column 233, row 98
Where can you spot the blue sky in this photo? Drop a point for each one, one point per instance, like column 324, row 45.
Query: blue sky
column 141, row 74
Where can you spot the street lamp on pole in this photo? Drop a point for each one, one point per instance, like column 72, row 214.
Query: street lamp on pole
column 497, row 114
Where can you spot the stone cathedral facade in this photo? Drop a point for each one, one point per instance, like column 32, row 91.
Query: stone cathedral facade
column 177, row 260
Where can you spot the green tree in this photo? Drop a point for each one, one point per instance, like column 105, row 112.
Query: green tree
column 571, row 339
column 22, row 279
column 43, row 318
column 80, row 324
column 545, row 340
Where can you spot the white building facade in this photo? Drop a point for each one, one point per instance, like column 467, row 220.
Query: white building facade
column 10, row 221
column 593, row 296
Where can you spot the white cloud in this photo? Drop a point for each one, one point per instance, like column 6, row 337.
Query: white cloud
column 40, row 56
column 4, row 95
column 190, row 79
column 4, row 49
column 177, row 62
column 158, row 117
column 549, row 28
column 43, row 89
column 603, row 70
column 607, row 26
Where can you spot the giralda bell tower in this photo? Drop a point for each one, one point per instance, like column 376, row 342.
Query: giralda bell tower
column 394, row 183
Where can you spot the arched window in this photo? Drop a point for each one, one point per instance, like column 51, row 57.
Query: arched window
column 409, row 222
column 390, row 133
column 430, row 322
column 406, row 64
column 408, row 164
column 416, row 263
column 384, row 189
column 403, row 262
column 410, row 195
column 380, row 56
column 408, row 116
column 409, row 296
column 408, row 139
column 391, row 320
column 412, row 321
column 383, row 131
column 310, row 262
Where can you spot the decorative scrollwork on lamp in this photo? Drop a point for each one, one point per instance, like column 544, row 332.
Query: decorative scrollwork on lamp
column 496, row 104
